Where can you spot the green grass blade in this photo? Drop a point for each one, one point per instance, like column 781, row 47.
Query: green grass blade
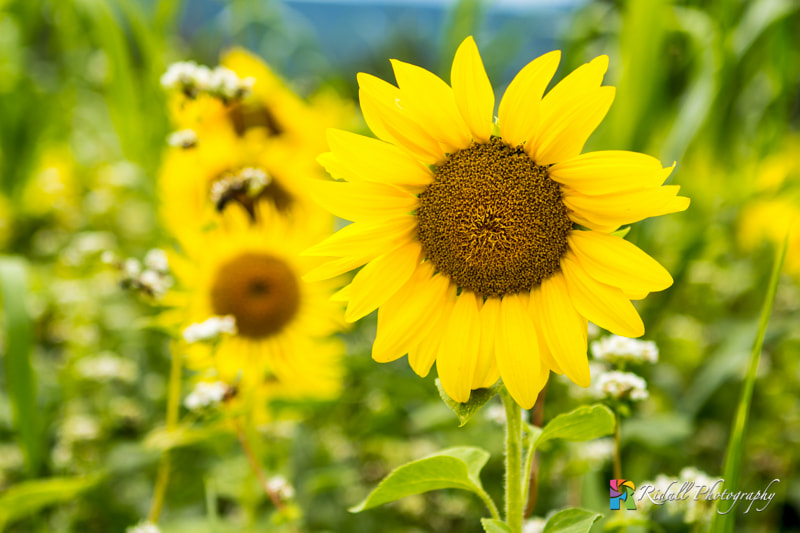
column 20, row 378
column 723, row 523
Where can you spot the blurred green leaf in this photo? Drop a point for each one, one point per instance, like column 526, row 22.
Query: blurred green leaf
column 477, row 399
column 658, row 429
column 760, row 15
column 20, row 377
column 723, row 523
column 162, row 439
column 453, row 468
column 490, row 525
column 30, row 497
column 571, row 521
column 584, row 423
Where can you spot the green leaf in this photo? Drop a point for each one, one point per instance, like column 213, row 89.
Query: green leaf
column 29, row 497
column 723, row 523
column 453, row 468
column 584, row 423
column 477, row 399
column 20, row 378
column 622, row 232
column 571, row 521
column 490, row 525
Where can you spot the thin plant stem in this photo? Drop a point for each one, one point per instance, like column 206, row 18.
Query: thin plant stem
column 256, row 466
column 532, row 463
column 484, row 496
column 514, row 475
column 617, row 446
column 173, row 410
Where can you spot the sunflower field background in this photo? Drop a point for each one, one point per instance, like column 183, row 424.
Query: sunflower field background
column 105, row 252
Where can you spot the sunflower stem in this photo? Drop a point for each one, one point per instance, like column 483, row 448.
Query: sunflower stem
column 173, row 410
column 256, row 466
column 617, row 446
column 514, row 476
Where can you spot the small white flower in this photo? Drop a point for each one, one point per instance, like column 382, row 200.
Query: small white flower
column 621, row 385
column 210, row 329
column 143, row 527
column 131, row 268
column 108, row 258
column 156, row 259
column 206, row 394
column 186, row 76
column 250, row 180
column 106, row 367
column 281, row 486
column 616, row 349
column 186, row 138
column 534, row 525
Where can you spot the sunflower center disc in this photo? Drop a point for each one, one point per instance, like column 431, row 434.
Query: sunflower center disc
column 259, row 290
column 493, row 220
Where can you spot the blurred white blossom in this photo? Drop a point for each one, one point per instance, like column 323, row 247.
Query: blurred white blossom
column 616, row 350
column 210, row 329
column 143, row 527
column 621, row 386
column 206, row 394
column 186, row 138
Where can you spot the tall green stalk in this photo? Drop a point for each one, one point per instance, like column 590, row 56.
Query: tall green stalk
column 515, row 501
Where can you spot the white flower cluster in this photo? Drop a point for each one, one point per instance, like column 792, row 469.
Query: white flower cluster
column 151, row 279
column 210, row 329
column 249, row 180
column 620, row 350
column 186, row 138
column 193, row 79
column 694, row 508
column 143, row 527
column 621, row 386
column 280, row 485
column 206, row 394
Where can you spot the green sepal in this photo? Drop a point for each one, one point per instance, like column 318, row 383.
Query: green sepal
column 477, row 399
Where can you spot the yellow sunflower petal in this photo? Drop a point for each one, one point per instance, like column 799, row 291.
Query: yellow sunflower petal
column 380, row 104
column 375, row 160
column 361, row 200
column 519, row 110
column 365, row 239
column 486, row 372
column 619, row 263
column 614, row 210
column 422, row 356
column 565, row 330
column 517, row 349
column 380, row 279
column 561, row 101
column 536, row 309
column 603, row 304
column 407, row 317
column 335, row 267
column 610, row 171
column 431, row 102
column 458, row 353
column 564, row 135
column 473, row 90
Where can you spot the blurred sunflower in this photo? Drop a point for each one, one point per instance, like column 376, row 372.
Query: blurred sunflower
column 468, row 232
column 257, row 149
column 283, row 345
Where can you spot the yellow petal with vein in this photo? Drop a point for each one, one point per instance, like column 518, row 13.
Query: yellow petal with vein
column 619, row 263
column 361, row 200
column 563, row 136
column 380, row 279
column 422, row 356
column 565, row 330
column 431, row 103
column 611, row 171
column 366, row 239
column 458, row 353
column 381, row 105
column 473, row 90
column 603, row 304
column 517, row 349
column 486, row 372
column 408, row 316
column 378, row 161
column 519, row 112
column 614, row 210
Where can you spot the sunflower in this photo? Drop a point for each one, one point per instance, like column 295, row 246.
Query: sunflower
column 488, row 246
column 252, row 271
column 272, row 132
